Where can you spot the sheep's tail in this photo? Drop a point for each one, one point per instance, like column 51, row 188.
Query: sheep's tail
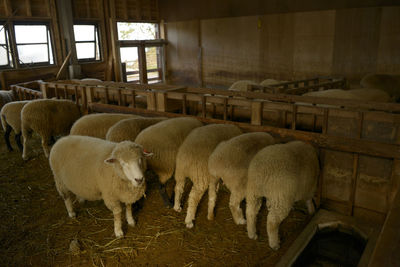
column 3, row 122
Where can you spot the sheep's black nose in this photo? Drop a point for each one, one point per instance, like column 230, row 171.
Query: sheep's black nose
column 139, row 180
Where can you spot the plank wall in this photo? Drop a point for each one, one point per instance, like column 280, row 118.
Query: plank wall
column 349, row 42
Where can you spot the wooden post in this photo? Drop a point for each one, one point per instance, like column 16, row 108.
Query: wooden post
column 65, row 92
column 294, row 116
column 256, row 112
column 161, row 101
column 225, row 108
column 119, row 97
column 151, row 101
column 106, row 95
column 184, row 104
column 56, row 91
column 44, row 87
column 133, row 99
column 76, row 95
column 325, row 121
column 203, row 106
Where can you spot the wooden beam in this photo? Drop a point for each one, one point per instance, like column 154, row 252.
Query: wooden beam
column 64, row 65
column 28, row 8
column 386, row 252
column 8, row 8
column 344, row 144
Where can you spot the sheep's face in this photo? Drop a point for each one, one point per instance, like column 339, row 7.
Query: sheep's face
column 129, row 160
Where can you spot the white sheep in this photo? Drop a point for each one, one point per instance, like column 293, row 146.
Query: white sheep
column 49, row 118
column 192, row 162
column 95, row 169
column 128, row 129
column 7, row 96
column 11, row 120
column 97, row 125
column 267, row 82
column 163, row 140
column 284, row 174
column 241, row 85
column 363, row 94
column 385, row 82
column 230, row 161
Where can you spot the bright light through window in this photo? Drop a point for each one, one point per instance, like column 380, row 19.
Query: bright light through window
column 87, row 42
column 4, row 48
column 33, row 44
column 137, row 31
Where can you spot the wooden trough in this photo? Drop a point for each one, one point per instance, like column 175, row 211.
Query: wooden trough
column 299, row 87
column 359, row 142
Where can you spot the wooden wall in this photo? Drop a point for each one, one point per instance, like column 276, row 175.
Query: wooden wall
column 348, row 42
column 99, row 11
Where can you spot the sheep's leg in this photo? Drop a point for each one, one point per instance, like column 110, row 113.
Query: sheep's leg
column 179, row 187
column 276, row 214
column 116, row 209
column 129, row 217
column 66, row 196
column 17, row 138
column 253, row 205
column 195, row 196
column 7, row 137
column 212, row 198
column 234, row 205
column 163, row 192
column 45, row 145
column 310, row 206
column 25, row 136
column 69, row 206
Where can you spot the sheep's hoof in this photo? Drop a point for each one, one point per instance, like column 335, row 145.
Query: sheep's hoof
column 275, row 247
column 132, row 223
column 168, row 204
column 254, row 236
column 177, row 208
column 210, row 217
column 72, row 214
column 119, row 233
column 189, row 225
column 241, row 221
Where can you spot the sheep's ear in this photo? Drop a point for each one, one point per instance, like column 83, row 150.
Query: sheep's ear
column 147, row 154
column 110, row 161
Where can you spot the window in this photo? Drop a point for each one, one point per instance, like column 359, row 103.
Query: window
column 5, row 52
column 87, row 42
column 137, row 31
column 33, row 45
column 141, row 51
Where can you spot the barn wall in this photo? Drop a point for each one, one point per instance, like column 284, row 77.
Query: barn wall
column 350, row 42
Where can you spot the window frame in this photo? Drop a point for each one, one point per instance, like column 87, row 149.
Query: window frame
column 8, row 48
column 96, row 47
column 141, row 46
column 49, row 43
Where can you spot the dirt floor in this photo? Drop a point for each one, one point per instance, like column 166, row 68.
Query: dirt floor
column 36, row 231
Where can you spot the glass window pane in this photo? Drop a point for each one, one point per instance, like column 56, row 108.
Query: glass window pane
column 129, row 55
column 84, row 32
column 137, row 31
column 85, row 50
column 30, row 34
column 152, row 75
column 3, row 57
column 33, row 53
column 2, row 35
column 151, row 58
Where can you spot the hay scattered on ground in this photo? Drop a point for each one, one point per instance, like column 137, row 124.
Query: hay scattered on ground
column 36, row 230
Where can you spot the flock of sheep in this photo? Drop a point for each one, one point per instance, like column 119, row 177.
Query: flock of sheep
column 105, row 157
column 373, row 87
